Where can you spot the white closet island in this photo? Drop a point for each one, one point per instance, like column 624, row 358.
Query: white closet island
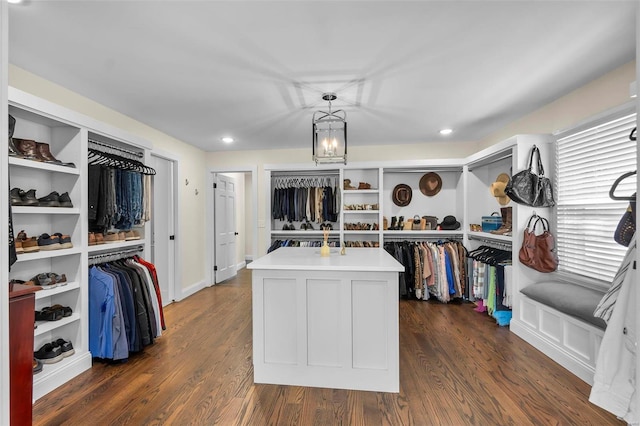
column 326, row 321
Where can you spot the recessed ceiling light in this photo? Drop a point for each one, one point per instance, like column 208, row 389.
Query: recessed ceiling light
column 446, row 131
column 227, row 139
column 14, row 1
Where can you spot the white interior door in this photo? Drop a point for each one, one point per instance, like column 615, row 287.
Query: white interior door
column 163, row 226
column 225, row 265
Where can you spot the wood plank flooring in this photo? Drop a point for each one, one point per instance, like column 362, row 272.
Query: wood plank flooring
column 457, row 367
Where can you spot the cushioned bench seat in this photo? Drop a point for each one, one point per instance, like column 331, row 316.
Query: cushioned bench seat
column 571, row 299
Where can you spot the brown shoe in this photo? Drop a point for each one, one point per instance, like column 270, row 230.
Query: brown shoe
column 30, row 245
column 18, row 244
column 112, row 237
column 42, row 150
column 26, row 148
column 131, row 235
column 99, row 238
column 92, row 239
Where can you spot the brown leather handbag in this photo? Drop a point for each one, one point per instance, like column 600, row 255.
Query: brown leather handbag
column 538, row 251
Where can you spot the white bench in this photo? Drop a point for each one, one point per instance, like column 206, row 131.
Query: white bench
column 557, row 318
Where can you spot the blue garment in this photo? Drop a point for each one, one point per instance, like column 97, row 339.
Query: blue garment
column 101, row 313
column 128, row 308
column 449, row 268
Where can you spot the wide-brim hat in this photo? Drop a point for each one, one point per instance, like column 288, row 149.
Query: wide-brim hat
column 430, row 184
column 401, row 195
column 497, row 189
column 449, row 223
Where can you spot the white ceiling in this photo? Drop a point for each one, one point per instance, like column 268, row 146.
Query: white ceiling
column 199, row 70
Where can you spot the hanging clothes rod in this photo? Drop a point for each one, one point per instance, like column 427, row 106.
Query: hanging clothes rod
column 496, row 244
column 414, row 237
column 115, row 254
column 116, row 148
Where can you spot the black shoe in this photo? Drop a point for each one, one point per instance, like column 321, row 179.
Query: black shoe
column 16, row 199
column 48, row 354
column 51, row 200
column 29, row 198
column 65, row 200
column 65, row 347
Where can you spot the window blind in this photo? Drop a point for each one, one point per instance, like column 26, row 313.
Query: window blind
column 587, row 164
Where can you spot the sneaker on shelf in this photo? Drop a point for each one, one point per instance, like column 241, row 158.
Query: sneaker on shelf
column 48, row 242
column 22, row 198
column 49, row 314
column 51, row 200
column 29, row 244
column 44, row 281
column 65, row 240
column 65, row 200
column 48, row 354
column 65, row 346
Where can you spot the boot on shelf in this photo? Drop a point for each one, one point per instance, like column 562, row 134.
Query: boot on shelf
column 507, row 220
column 394, row 223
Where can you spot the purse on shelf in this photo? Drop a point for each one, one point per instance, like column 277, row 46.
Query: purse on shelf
column 416, row 223
column 529, row 188
column 430, row 223
column 538, row 251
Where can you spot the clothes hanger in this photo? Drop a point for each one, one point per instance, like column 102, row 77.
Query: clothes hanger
column 615, row 186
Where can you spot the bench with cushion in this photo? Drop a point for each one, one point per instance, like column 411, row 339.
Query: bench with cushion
column 571, row 299
column 557, row 319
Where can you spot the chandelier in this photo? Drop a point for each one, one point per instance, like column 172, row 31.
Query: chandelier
column 330, row 134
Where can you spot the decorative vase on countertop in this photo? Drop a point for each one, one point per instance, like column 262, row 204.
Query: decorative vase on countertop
column 324, row 250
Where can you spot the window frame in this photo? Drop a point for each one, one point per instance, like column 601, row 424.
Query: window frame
column 593, row 121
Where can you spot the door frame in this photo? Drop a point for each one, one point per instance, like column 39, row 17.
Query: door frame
column 210, row 216
column 176, row 291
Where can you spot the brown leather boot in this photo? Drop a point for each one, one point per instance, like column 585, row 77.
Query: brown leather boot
column 26, row 148
column 507, row 219
column 13, row 151
column 42, row 150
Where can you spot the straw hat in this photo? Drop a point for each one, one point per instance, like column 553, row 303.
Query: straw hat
column 497, row 189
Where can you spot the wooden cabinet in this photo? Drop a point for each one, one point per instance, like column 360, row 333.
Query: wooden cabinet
column 21, row 316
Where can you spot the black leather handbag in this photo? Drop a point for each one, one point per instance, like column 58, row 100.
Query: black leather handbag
column 529, row 188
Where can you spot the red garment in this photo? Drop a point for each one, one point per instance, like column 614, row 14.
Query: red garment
column 154, row 277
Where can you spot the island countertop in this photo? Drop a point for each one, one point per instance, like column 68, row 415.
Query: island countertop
column 308, row 258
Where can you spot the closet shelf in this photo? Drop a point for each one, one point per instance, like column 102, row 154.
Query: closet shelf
column 114, row 246
column 303, row 232
column 427, row 234
column 360, row 191
column 48, row 167
column 47, row 326
column 48, row 369
column 365, row 232
column 487, row 236
column 44, row 210
column 48, row 254
column 361, row 211
column 44, row 293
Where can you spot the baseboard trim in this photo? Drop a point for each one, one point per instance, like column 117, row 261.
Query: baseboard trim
column 192, row 289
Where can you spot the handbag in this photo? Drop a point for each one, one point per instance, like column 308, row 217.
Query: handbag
column 415, row 223
column 430, row 222
column 538, row 251
column 626, row 228
column 531, row 189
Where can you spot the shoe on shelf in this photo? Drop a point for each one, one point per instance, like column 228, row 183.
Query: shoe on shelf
column 131, row 235
column 51, row 200
column 48, row 242
column 65, row 200
column 99, row 238
column 44, row 281
column 66, row 310
column 37, row 366
column 65, row 346
column 57, row 279
column 29, row 244
column 92, row 239
column 112, row 237
column 49, row 314
column 22, row 198
column 48, row 354
column 364, row 185
column 18, row 245
column 65, row 240
column 26, row 148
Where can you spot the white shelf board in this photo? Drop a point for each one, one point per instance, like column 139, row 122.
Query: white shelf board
column 44, row 210
column 107, row 247
column 45, row 292
column 47, row 326
column 49, row 167
column 23, row 257
column 361, row 211
column 475, row 235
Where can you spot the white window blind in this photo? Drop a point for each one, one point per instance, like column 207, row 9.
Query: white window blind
column 587, row 164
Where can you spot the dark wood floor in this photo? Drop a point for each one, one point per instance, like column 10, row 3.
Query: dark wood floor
column 457, row 367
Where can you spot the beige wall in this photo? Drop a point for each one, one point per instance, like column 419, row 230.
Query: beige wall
column 192, row 164
column 601, row 94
